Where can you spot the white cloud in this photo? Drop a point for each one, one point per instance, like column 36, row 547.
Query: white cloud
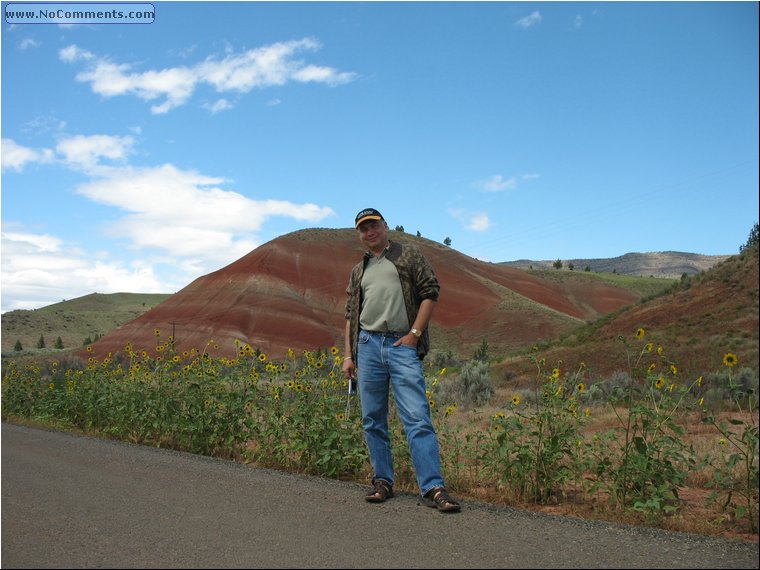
column 530, row 20
column 73, row 53
column 497, row 183
column 266, row 66
column 479, row 222
column 184, row 53
column 41, row 243
column 186, row 214
column 261, row 67
column 109, row 79
column 28, row 43
column 16, row 157
column 37, row 270
column 85, row 152
column 78, row 152
column 322, row 75
column 43, row 124
column 217, row 106
column 173, row 218
column 474, row 221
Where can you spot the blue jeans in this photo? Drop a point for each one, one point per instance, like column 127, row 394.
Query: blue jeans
column 380, row 363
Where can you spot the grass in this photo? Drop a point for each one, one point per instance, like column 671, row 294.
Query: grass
column 73, row 320
column 648, row 447
column 644, row 287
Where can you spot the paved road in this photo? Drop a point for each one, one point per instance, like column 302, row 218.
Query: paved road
column 70, row 501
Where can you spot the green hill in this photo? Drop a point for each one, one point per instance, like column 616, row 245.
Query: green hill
column 74, row 320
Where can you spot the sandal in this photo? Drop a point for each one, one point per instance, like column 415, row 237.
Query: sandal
column 381, row 492
column 438, row 498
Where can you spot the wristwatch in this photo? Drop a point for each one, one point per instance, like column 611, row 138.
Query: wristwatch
column 416, row 332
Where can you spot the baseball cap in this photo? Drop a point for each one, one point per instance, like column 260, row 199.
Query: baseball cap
column 367, row 214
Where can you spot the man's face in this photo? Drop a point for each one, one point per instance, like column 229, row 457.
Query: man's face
column 373, row 234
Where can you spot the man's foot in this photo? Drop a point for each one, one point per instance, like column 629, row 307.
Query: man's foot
column 438, row 498
column 381, row 492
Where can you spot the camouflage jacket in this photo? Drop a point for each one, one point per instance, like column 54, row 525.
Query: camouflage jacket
column 418, row 282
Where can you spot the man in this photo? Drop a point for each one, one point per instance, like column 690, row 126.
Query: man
column 391, row 296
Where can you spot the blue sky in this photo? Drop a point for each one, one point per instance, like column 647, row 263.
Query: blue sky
column 138, row 157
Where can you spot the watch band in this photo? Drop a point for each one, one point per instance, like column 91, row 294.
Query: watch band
column 416, row 332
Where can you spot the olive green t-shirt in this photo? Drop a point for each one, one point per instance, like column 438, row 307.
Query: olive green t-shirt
column 383, row 308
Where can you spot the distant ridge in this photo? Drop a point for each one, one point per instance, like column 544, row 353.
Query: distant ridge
column 665, row 264
column 697, row 322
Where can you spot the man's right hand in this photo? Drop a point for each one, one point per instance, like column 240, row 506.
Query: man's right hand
column 349, row 368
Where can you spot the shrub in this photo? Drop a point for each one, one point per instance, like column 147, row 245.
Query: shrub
column 442, row 359
column 473, row 386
